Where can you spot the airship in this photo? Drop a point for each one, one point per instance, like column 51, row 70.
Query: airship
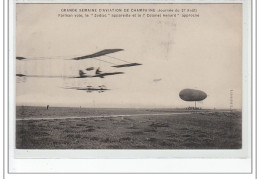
column 192, row 95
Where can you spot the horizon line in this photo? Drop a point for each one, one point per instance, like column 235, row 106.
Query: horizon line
column 125, row 107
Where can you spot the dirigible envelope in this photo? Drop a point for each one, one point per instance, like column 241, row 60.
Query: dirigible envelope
column 192, row 95
column 100, row 53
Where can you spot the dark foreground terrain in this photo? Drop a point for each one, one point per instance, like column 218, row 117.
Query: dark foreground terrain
column 201, row 130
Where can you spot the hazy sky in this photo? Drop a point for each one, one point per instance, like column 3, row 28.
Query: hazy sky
column 202, row 53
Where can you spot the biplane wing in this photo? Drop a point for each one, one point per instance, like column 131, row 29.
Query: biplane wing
column 127, row 65
column 93, row 56
column 89, row 89
column 45, row 76
column 102, row 75
column 97, row 54
column 81, row 75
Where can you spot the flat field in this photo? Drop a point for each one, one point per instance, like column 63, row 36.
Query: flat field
column 83, row 128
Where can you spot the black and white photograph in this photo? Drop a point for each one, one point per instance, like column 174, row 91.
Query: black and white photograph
column 128, row 76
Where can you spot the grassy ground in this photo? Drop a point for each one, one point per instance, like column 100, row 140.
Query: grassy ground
column 219, row 130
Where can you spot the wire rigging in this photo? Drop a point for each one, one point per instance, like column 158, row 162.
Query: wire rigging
column 117, row 59
column 103, row 60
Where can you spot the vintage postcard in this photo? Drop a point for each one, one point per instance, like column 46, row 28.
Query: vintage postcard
column 149, row 78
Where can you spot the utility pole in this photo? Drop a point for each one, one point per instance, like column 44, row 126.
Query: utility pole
column 231, row 100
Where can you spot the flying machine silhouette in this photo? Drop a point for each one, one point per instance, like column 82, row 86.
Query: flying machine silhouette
column 89, row 89
column 81, row 74
column 91, row 56
column 98, row 74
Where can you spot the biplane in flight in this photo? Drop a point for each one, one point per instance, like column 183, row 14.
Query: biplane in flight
column 98, row 74
column 82, row 74
column 94, row 56
column 90, row 89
